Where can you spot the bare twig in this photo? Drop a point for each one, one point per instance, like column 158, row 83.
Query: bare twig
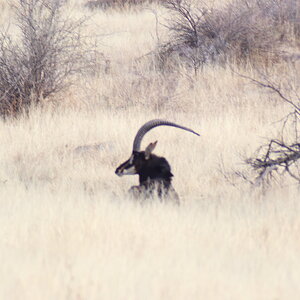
column 271, row 86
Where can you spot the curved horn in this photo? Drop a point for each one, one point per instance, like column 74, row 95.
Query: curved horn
column 150, row 125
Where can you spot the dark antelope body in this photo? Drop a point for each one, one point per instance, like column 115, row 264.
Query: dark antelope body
column 154, row 172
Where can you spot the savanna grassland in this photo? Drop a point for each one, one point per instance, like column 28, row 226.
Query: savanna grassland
column 68, row 229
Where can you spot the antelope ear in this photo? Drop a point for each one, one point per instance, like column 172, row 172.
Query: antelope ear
column 149, row 149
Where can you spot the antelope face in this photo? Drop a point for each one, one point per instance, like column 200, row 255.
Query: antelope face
column 127, row 167
column 137, row 159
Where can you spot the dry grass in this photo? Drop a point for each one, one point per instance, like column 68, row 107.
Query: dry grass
column 67, row 228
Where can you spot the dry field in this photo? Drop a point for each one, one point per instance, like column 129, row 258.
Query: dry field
column 68, row 229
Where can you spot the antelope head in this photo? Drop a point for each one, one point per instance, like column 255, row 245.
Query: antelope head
column 136, row 161
column 145, row 163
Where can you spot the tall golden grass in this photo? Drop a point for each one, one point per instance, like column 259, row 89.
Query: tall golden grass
column 68, row 229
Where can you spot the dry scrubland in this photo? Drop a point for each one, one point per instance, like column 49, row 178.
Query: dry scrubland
column 67, row 228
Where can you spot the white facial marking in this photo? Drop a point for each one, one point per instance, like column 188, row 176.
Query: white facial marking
column 129, row 171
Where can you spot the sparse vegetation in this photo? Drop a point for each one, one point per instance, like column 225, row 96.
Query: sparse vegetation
column 68, row 228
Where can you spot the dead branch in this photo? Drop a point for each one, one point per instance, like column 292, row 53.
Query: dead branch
column 276, row 155
column 275, row 88
column 282, row 154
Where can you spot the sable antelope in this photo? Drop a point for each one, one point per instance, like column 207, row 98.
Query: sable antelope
column 154, row 172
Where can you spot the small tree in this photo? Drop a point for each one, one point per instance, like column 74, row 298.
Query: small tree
column 44, row 58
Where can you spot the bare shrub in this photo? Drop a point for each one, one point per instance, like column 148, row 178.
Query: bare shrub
column 241, row 32
column 44, row 58
column 285, row 14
